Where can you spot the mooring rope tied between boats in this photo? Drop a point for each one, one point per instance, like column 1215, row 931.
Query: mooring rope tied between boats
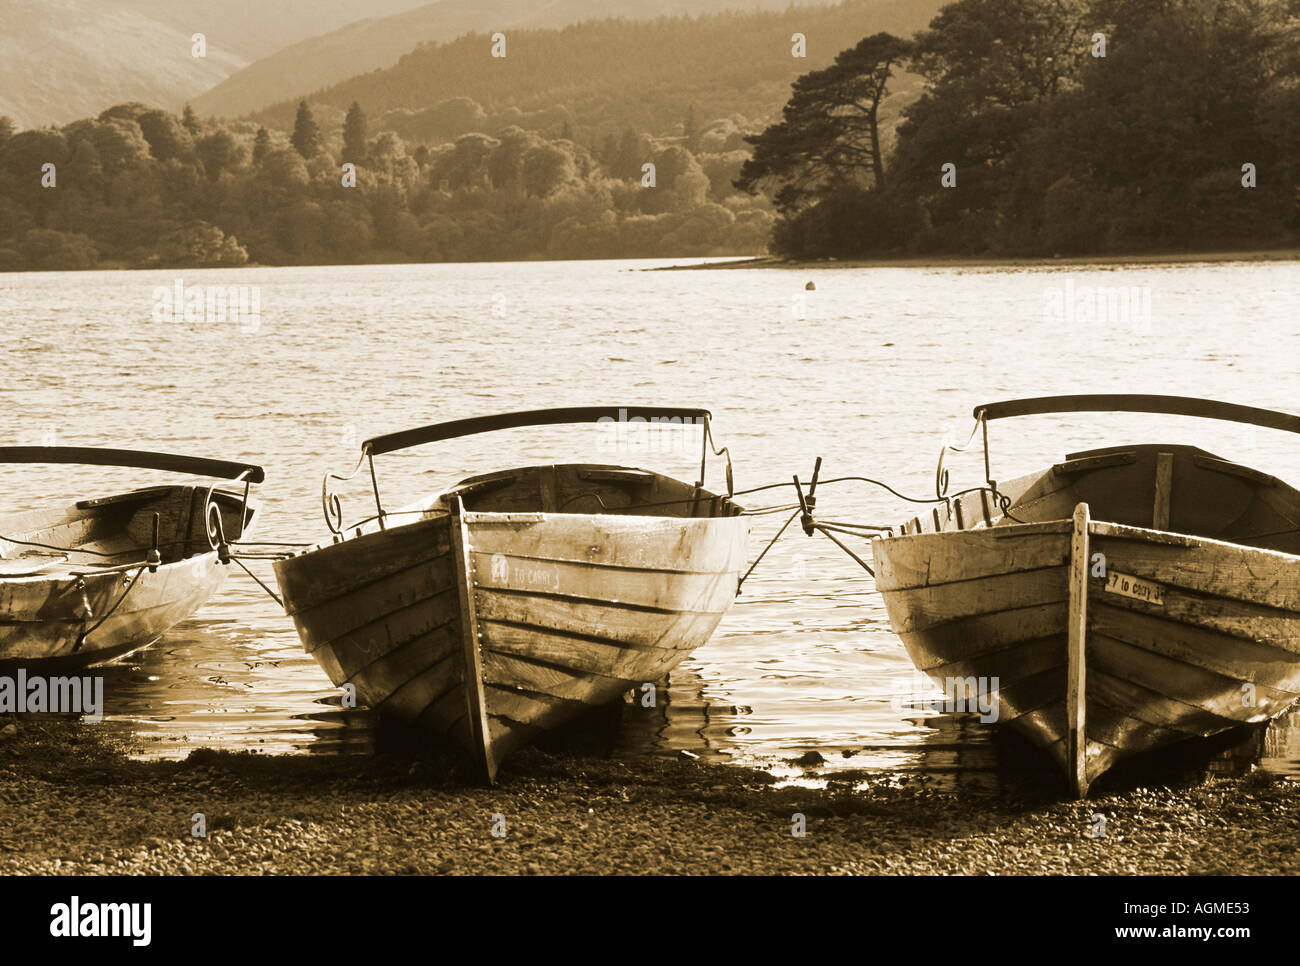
column 274, row 596
column 770, row 544
column 752, row 511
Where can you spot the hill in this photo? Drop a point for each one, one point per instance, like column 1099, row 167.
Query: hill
column 378, row 42
column 602, row 77
column 65, row 59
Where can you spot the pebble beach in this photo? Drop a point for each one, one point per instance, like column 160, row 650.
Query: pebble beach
column 75, row 804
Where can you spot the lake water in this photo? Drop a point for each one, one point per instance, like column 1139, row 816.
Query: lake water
column 873, row 371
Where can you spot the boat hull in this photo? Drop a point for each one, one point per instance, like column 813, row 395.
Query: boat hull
column 1177, row 637
column 61, row 621
column 486, row 629
column 77, row 588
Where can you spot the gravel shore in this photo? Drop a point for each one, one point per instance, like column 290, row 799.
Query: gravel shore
column 72, row 803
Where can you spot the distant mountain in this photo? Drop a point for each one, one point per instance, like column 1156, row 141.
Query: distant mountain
column 65, row 59
column 257, row 28
column 600, row 77
column 378, row 42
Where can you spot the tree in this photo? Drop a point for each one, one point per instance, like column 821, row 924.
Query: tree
column 45, row 250
column 631, row 155
column 119, row 143
column 190, row 121
column 261, row 145
column 990, row 66
column 354, row 134
column 544, row 168
column 200, row 244
column 167, row 137
column 829, row 135
column 285, row 170
column 505, row 164
column 1005, row 52
column 218, row 151
column 306, row 134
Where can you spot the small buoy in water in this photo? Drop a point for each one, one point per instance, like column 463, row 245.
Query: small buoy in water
column 810, row 287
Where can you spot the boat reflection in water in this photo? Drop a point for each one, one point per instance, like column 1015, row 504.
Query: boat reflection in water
column 216, row 683
column 941, row 749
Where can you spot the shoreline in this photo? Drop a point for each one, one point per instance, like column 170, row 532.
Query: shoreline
column 982, row 261
column 75, row 804
column 765, row 261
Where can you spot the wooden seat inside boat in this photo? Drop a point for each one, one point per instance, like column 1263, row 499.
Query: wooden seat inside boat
column 586, row 488
column 1176, row 488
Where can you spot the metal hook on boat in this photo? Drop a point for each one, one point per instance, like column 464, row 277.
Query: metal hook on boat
column 704, row 459
column 333, row 510
column 87, row 611
column 217, row 534
column 941, row 471
column 330, row 504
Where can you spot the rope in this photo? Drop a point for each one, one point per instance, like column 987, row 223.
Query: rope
column 862, row 563
column 274, row 597
column 81, row 638
column 770, row 545
column 93, row 553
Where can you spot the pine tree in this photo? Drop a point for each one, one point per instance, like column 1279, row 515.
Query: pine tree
column 190, row 120
column 566, row 133
column 261, row 144
column 354, row 134
column 627, row 164
column 690, row 130
column 306, row 134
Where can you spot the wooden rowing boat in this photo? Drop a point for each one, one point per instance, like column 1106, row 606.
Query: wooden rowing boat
column 109, row 575
column 1117, row 602
column 516, row 600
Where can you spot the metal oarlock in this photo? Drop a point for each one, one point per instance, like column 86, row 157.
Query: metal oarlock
column 808, row 503
column 154, row 557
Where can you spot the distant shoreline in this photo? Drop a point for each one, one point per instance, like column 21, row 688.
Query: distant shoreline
column 755, row 261
column 978, row 261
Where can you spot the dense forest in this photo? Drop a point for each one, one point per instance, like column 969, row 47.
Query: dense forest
column 139, row 187
column 1045, row 128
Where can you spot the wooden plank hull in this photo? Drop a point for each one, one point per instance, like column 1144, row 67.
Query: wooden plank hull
column 1182, row 636
column 488, row 628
